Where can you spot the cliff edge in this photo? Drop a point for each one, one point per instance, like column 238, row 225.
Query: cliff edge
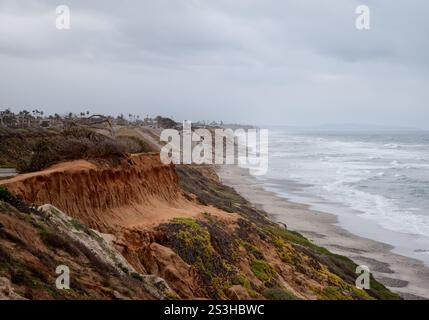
column 181, row 226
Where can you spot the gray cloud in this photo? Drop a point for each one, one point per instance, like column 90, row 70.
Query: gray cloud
column 272, row 62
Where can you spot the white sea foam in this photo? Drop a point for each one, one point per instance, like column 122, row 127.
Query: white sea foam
column 380, row 209
column 380, row 179
column 391, row 146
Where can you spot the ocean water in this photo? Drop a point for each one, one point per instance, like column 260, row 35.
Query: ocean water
column 376, row 183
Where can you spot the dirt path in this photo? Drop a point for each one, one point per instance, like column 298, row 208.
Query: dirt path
column 71, row 166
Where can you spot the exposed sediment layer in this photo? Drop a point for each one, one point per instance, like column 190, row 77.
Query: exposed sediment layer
column 103, row 196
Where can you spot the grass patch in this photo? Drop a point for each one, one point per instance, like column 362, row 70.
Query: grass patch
column 333, row 293
column 262, row 270
column 136, row 276
column 84, row 228
column 5, row 194
column 191, row 240
column 56, row 242
column 189, row 222
column 278, row 293
column 296, row 238
column 251, row 249
column 242, row 280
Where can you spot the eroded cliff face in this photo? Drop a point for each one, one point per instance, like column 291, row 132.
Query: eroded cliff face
column 102, row 196
column 181, row 225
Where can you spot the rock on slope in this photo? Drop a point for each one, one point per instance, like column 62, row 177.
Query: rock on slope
column 33, row 243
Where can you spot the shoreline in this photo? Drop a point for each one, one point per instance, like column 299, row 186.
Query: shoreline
column 406, row 276
column 7, row 172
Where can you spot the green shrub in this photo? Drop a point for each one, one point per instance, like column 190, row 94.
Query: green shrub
column 72, row 144
column 333, row 293
column 262, row 270
column 278, row 294
column 55, row 241
column 165, row 123
column 21, row 277
column 136, row 276
column 242, row 280
column 192, row 241
column 4, row 194
column 135, row 145
column 123, row 268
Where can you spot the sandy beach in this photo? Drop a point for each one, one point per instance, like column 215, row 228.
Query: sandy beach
column 406, row 276
column 7, row 172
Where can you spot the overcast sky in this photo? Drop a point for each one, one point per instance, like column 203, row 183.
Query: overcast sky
column 295, row 62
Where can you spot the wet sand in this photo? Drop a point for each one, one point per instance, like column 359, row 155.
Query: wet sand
column 406, row 276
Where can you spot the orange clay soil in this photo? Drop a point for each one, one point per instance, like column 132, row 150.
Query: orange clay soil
column 140, row 192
